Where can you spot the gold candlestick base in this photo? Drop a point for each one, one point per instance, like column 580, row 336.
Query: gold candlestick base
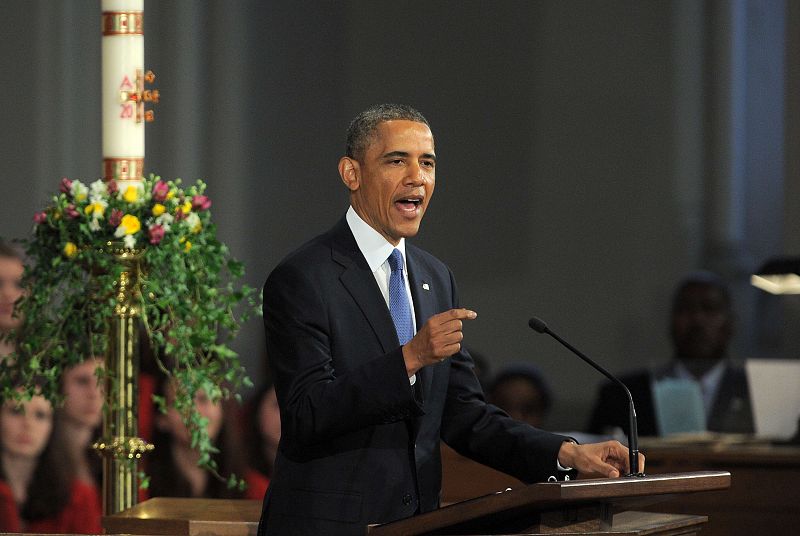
column 121, row 447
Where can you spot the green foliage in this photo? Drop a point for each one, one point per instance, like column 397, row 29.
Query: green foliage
column 188, row 296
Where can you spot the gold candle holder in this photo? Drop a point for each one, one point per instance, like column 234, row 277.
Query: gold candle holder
column 121, row 447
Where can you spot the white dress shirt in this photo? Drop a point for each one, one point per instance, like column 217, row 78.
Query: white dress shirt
column 709, row 383
column 376, row 250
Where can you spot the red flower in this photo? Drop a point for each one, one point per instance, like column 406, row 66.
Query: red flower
column 180, row 215
column 160, row 191
column 156, row 234
column 66, row 185
column 115, row 218
column 112, row 187
column 40, row 217
column 201, row 202
column 71, row 212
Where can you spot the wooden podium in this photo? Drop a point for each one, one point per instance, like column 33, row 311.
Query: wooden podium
column 596, row 506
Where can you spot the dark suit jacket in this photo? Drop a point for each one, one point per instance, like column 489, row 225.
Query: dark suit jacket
column 358, row 444
column 731, row 411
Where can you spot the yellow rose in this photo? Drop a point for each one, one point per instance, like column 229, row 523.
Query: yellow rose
column 130, row 224
column 131, row 194
column 187, row 246
column 170, row 194
column 158, row 209
column 70, row 250
column 186, row 207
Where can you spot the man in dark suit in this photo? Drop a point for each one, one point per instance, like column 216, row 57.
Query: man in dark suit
column 701, row 327
column 364, row 336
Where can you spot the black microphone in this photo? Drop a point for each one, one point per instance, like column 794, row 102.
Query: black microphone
column 539, row 326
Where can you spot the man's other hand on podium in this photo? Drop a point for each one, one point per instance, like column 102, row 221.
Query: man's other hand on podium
column 608, row 459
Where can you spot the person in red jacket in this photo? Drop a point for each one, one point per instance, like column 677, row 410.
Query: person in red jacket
column 173, row 465
column 38, row 493
column 78, row 420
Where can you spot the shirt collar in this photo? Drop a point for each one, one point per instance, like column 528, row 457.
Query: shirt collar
column 375, row 248
column 709, row 379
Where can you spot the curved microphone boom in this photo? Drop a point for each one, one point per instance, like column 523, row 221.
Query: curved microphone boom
column 539, row 326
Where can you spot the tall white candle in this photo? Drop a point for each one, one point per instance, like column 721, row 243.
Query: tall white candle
column 123, row 84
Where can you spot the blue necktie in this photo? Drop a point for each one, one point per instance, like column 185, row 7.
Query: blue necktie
column 398, row 299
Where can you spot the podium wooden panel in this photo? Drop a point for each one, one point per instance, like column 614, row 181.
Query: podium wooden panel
column 763, row 494
column 164, row 516
column 572, row 507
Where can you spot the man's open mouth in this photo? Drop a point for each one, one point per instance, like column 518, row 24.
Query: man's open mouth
column 409, row 203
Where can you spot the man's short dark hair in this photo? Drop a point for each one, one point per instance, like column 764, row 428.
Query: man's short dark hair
column 529, row 373
column 702, row 278
column 362, row 129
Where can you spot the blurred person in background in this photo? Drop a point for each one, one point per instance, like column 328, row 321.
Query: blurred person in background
column 262, row 432
column 520, row 390
column 701, row 328
column 39, row 492
column 172, row 465
column 80, row 418
column 11, row 269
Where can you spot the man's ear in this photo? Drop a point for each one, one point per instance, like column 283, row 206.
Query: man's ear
column 350, row 173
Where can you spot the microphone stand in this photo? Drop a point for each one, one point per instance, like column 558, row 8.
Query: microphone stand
column 633, row 429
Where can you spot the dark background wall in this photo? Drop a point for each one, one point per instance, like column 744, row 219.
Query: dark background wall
column 590, row 154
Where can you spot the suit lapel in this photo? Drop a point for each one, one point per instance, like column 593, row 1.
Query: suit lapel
column 419, row 279
column 360, row 283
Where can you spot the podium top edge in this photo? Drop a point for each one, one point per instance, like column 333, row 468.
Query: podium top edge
column 557, row 494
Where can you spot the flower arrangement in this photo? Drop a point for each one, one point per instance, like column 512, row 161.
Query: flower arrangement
column 188, row 299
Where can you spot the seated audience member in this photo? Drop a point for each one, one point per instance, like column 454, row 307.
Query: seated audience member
column 11, row 269
column 80, row 419
column 172, row 465
column 38, row 491
column 521, row 391
column 262, row 430
column 701, row 327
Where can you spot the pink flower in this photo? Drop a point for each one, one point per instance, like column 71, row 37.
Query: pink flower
column 71, row 212
column 40, row 217
column 112, row 187
column 115, row 218
column 156, row 234
column 66, row 185
column 160, row 191
column 201, row 202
